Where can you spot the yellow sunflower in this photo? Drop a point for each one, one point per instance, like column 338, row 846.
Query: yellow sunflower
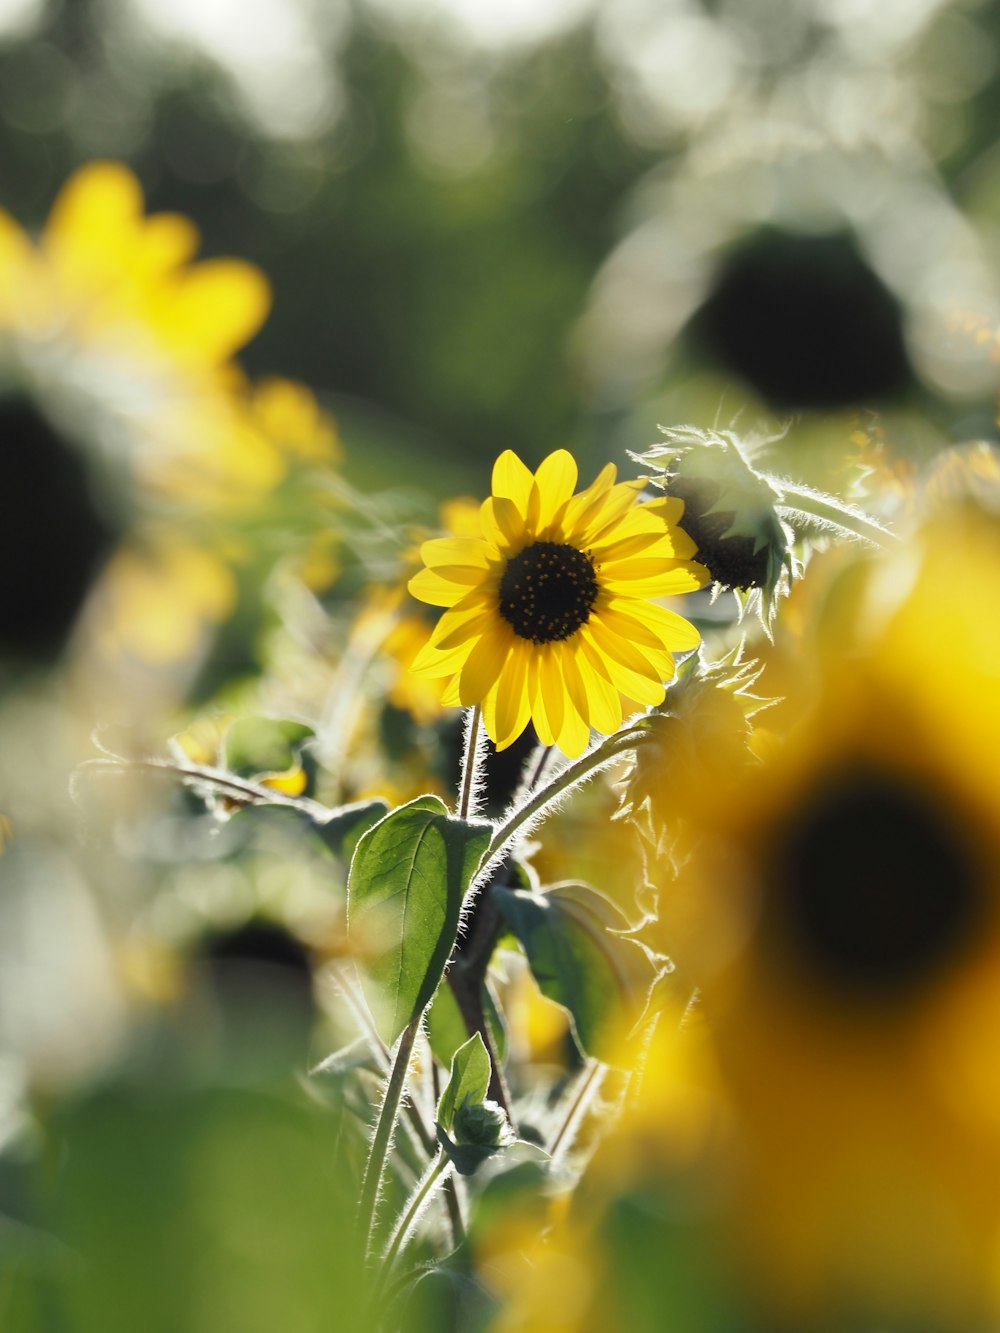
column 116, row 367
column 840, row 917
column 550, row 617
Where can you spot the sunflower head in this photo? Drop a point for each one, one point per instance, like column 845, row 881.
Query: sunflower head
column 701, row 735
column 729, row 509
column 550, row 614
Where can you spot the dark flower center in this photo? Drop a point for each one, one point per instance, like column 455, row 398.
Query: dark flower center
column 805, row 321
column 548, row 591
column 731, row 561
column 875, row 884
column 54, row 533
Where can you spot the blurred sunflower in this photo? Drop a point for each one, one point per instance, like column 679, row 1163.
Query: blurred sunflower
column 153, row 453
column 549, row 613
column 841, row 920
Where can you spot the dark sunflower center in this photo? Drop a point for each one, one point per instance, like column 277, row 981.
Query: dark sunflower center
column 875, row 885
column 731, row 561
column 548, row 591
column 54, row 534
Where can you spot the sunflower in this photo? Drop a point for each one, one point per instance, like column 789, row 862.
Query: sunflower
column 549, row 614
column 840, row 918
column 133, row 432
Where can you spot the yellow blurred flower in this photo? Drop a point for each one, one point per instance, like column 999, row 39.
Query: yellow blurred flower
column 841, row 920
column 106, row 276
column 123, row 344
column 549, row 614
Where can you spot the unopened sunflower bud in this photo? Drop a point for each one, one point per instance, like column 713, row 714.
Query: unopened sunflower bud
column 729, row 508
column 482, row 1124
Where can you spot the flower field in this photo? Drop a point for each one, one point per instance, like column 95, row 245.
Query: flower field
column 499, row 668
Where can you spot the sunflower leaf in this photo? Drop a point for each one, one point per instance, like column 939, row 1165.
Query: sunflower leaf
column 446, row 1027
column 407, row 882
column 602, row 978
column 469, row 1081
column 255, row 745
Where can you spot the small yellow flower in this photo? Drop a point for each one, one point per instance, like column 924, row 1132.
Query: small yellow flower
column 549, row 615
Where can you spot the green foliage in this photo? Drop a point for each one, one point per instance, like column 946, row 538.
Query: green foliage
column 470, row 1078
column 407, row 883
column 572, row 937
column 446, row 1026
column 344, row 828
column 255, row 745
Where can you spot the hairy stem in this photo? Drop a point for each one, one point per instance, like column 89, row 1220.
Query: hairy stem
column 371, row 1186
column 618, row 744
column 450, row 1192
column 586, row 1086
column 361, row 1016
column 805, row 501
column 472, row 759
column 467, row 978
column 407, row 1220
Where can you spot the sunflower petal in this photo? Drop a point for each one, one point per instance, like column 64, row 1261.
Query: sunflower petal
column 444, row 551
column 512, row 480
column 631, row 673
column 484, row 665
column 438, row 588
column 581, row 509
column 675, row 633
column 502, row 523
column 466, row 628
column 507, row 708
column 554, row 483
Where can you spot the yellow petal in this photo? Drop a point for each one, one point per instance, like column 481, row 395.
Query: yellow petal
column 611, row 512
column 621, row 618
column 629, row 671
column 437, row 588
column 581, row 508
column 507, row 709
column 467, row 627
column 455, row 551
column 603, row 700
column 554, row 484
column 512, row 480
column 676, row 634
column 574, row 734
column 483, row 666
column 502, row 523
column 211, row 310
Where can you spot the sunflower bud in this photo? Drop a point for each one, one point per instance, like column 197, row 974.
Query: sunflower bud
column 729, row 509
column 482, row 1125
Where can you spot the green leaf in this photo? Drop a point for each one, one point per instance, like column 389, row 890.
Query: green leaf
column 407, row 882
column 446, row 1026
column 470, row 1078
column 570, row 935
column 343, row 829
column 255, row 745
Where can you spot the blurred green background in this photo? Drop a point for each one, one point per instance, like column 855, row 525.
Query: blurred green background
column 487, row 225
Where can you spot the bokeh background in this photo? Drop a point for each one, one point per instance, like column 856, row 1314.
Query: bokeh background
column 484, row 225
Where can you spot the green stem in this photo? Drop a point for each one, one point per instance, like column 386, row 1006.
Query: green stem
column 471, row 761
column 361, row 1016
column 240, row 790
column 450, row 1192
column 586, row 1086
column 813, row 504
column 375, row 1166
column 406, row 1222
column 618, row 744
column 544, row 755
